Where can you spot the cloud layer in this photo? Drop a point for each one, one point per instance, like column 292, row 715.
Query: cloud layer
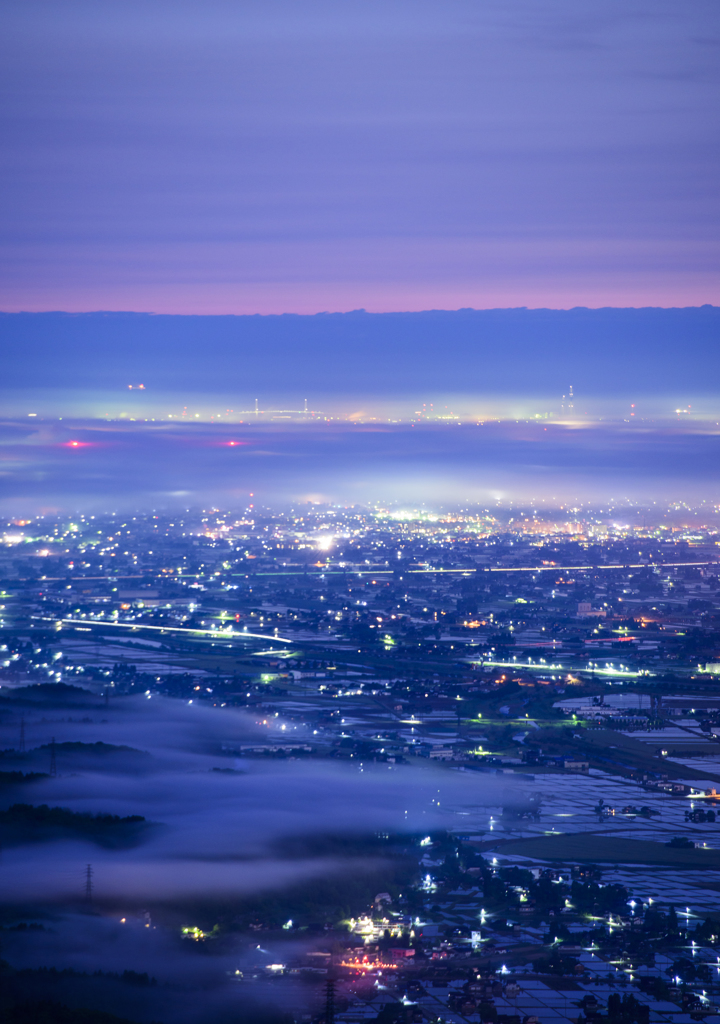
column 132, row 465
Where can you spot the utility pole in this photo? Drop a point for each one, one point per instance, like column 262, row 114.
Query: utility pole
column 88, row 884
column 22, row 735
column 53, row 760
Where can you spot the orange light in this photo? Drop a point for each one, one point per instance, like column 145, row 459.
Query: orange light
column 363, row 965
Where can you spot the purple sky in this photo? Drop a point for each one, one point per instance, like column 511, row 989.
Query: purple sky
column 273, row 156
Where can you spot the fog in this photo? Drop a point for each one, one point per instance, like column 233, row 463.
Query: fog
column 240, row 816
column 89, row 465
column 212, row 838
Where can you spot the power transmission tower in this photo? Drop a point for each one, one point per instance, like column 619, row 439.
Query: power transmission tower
column 329, row 1001
column 53, row 760
column 88, row 884
column 22, row 735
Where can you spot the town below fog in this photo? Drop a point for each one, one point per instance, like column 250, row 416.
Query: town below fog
column 363, row 764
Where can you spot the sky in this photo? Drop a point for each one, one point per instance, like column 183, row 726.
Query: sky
column 383, row 212
column 268, row 157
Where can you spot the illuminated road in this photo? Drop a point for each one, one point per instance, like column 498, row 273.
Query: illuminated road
column 224, row 634
column 534, row 666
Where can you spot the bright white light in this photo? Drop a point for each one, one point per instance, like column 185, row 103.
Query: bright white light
column 325, row 543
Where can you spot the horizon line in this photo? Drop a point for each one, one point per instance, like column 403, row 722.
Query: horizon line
column 357, row 310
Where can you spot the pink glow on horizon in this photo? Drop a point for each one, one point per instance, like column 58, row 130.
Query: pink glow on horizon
column 377, row 274
column 656, row 290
